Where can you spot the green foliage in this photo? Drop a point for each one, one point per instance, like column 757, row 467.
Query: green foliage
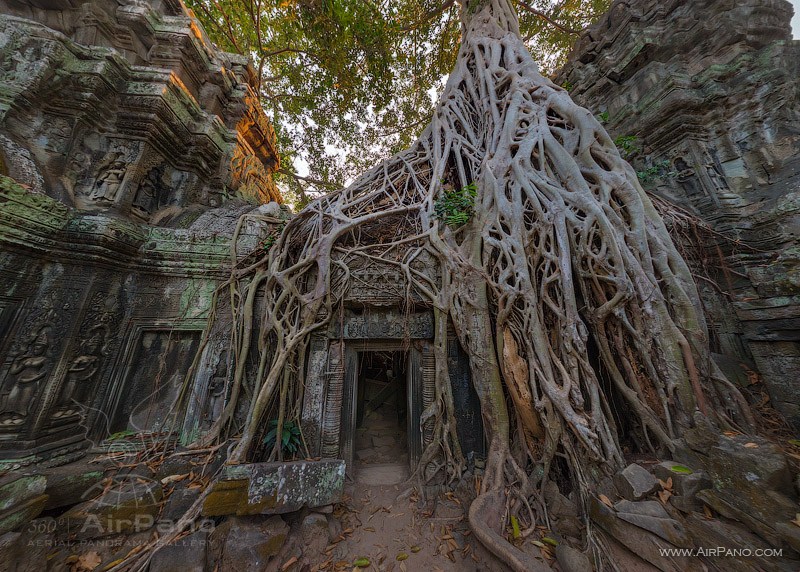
column 272, row 237
column 119, row 435
column 651, row 173
column 290, row 437
column 627, row 145
column 602, row 117
column 567, row 85
column 347, row 82
column 456, row 207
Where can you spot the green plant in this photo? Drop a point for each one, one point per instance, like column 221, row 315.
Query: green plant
column 627, row 145
column 290, row 437
column 272, row 238
column 456, row 207
column 602, row 117
column 567, row 85
column 649, row 174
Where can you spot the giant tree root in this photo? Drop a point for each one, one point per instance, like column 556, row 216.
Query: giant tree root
column 563, row 284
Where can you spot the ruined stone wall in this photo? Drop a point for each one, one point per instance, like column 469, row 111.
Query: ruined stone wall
column 129, row 149
column 709, row 90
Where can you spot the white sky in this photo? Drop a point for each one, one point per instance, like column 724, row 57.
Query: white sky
column 796, row 19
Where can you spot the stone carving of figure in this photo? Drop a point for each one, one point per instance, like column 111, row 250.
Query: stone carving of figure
column 148, row 196
column 686, row 177
column 81, row 371
column 716, row 178
column 27, row 371
column 108, row 182
column 216, row 388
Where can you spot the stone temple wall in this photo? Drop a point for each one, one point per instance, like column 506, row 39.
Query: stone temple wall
column 709, row 90
column 129, row 149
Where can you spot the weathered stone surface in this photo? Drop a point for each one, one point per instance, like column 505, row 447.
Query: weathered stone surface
column 21, row 499
column 129, row 505
column 138, row 146
column 28, row 549
column 650, row 515
column 21, row 513
column 686, row 483
column 179, row 501
column 634, row 482
column 187, row 554
column 247, row 543
column 275, row 488
column 572, row 560
column 639, row 541
column 732, row 536
column 313, row 533
column 710, row 91
column 17, row 488
column 751, row 479
column 68, row 485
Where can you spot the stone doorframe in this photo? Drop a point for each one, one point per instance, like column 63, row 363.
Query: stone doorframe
column 331, row 384
column 418, row 379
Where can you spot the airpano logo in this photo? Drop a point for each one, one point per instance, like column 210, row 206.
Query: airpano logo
column 722, row 552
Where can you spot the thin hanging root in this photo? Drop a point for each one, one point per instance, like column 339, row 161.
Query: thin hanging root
column 563, row 252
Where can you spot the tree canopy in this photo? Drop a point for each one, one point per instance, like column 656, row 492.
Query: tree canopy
column 347, row 82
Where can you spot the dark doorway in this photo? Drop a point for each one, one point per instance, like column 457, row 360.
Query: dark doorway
column 382, row 408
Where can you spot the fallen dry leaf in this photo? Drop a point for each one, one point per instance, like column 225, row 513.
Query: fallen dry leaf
column 751, row 446
column 606, row 501
column 707, row 512
column 663, row 496
column 88, row 561
column 796, row 520
column 288, row 563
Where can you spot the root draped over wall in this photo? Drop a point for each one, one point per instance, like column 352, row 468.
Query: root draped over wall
column 563, row 287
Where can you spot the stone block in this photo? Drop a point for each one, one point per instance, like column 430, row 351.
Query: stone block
column 67, row 485
column 572, row 560
column 248, row 543
column 685, row 481
column 641, row 542
column 130, row 505
column 16, row 488
column 275, row 488
column 187, row 554
column 179, row 501
column 314, row 534
column 20, row 514
column 634, row 482
column 650, row 515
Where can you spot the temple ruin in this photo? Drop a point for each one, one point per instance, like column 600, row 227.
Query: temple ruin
column 136, row 170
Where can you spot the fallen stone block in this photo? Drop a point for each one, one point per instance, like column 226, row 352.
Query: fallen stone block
column 650, row 515
column 247, row 543
column 187, row 554
column 128, row 505
column 275, row 488
column 22, row 513
column 67, row 485
column 642, row 543
column 635, row 482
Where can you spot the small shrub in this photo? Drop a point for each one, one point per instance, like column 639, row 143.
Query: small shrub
column 456, row 207
column 650, row 174
column 290, row 437
column 627, row 145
